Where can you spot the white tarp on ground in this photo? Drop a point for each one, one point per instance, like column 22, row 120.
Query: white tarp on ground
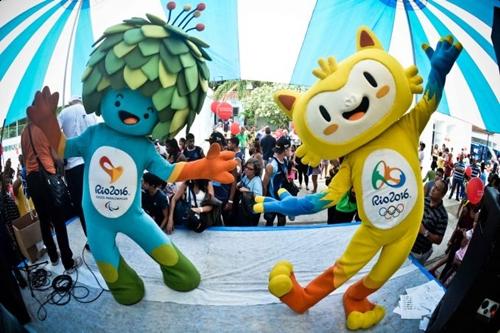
column 234, row 262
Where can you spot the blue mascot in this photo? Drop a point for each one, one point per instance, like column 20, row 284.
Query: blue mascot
column 145, row 77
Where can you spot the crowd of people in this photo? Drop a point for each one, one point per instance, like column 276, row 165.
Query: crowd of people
column 266, row 162
column 449, row 175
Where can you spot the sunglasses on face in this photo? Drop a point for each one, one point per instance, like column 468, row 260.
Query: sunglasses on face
column 248, row 168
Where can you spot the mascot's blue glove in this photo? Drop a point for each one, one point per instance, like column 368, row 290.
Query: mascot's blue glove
column 445, row 55
column 442, row 59
column 289, row 205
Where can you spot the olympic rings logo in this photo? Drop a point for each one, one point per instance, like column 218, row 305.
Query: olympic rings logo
column 391, row 211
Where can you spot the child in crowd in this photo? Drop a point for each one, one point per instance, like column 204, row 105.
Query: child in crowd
column 154, row 201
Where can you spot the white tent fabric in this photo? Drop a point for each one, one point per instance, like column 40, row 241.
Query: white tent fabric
column 48, row 42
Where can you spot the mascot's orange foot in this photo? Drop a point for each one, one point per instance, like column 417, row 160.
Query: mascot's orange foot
column 280, row 281
column 282, row 284
column 361, row 313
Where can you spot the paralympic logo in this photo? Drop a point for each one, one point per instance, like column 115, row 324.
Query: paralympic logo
column 392, row 177
column 110, row 207
column 108, row 167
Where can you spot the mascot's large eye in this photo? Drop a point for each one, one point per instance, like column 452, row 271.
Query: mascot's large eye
column 370, row 79
column 324, row 113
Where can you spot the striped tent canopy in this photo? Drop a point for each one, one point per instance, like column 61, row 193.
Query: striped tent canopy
column 48, row 43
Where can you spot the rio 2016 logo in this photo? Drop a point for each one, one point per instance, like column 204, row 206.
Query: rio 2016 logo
column 112, row 191
column 392, row 177
column 384, row 175
column 108, row 167
column 390, row 188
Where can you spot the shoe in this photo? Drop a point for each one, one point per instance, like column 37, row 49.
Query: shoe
column 55, row 262
column 77, row 262
column 20, row 279
column 42, row 252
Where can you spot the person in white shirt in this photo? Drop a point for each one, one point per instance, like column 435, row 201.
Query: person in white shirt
column 421, row 154
column 73, row 121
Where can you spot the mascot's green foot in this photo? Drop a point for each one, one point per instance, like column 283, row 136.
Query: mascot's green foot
column 181, row 275
column 125, row 285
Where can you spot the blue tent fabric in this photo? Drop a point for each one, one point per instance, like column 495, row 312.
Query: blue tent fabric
column 221, row 33
column 84, row 40
column 35, row 73
column 332, row 32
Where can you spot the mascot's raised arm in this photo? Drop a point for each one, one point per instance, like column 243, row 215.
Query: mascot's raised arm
column 144, row 77
column 357, row 110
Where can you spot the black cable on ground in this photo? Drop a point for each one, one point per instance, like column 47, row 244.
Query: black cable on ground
column 92, row 272
column 63, row 287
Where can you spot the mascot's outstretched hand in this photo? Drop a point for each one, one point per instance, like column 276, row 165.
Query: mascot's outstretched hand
column 288, row 204
column 445, row 55
column 42, row 114
column 216, row 166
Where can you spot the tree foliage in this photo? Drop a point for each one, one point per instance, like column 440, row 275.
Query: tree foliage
column 261, row 109
column 258, row 104
column 240, row 87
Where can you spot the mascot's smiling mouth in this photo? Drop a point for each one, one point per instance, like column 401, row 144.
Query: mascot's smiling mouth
column 358, row 112
column 128, row 118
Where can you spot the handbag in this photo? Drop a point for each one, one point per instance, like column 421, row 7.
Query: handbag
column 195, row 222
column 184, row 215
column 287, row 184
column 58, row 190
column 181, row 212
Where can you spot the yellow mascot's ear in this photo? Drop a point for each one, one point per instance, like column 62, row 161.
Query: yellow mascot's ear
column 286, row 100
column 366, row 39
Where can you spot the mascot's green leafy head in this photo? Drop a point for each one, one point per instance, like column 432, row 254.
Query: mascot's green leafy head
column 157, row 59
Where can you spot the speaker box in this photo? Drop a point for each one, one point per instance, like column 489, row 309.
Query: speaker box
column 471, row 302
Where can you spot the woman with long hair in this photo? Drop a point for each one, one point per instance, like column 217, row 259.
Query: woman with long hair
column 174, row 151
column 199, row 195
column 255, row 151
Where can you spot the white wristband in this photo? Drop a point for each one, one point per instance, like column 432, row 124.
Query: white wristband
column 230, row 201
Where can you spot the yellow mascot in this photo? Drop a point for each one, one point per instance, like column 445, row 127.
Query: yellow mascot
column 357, row 110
